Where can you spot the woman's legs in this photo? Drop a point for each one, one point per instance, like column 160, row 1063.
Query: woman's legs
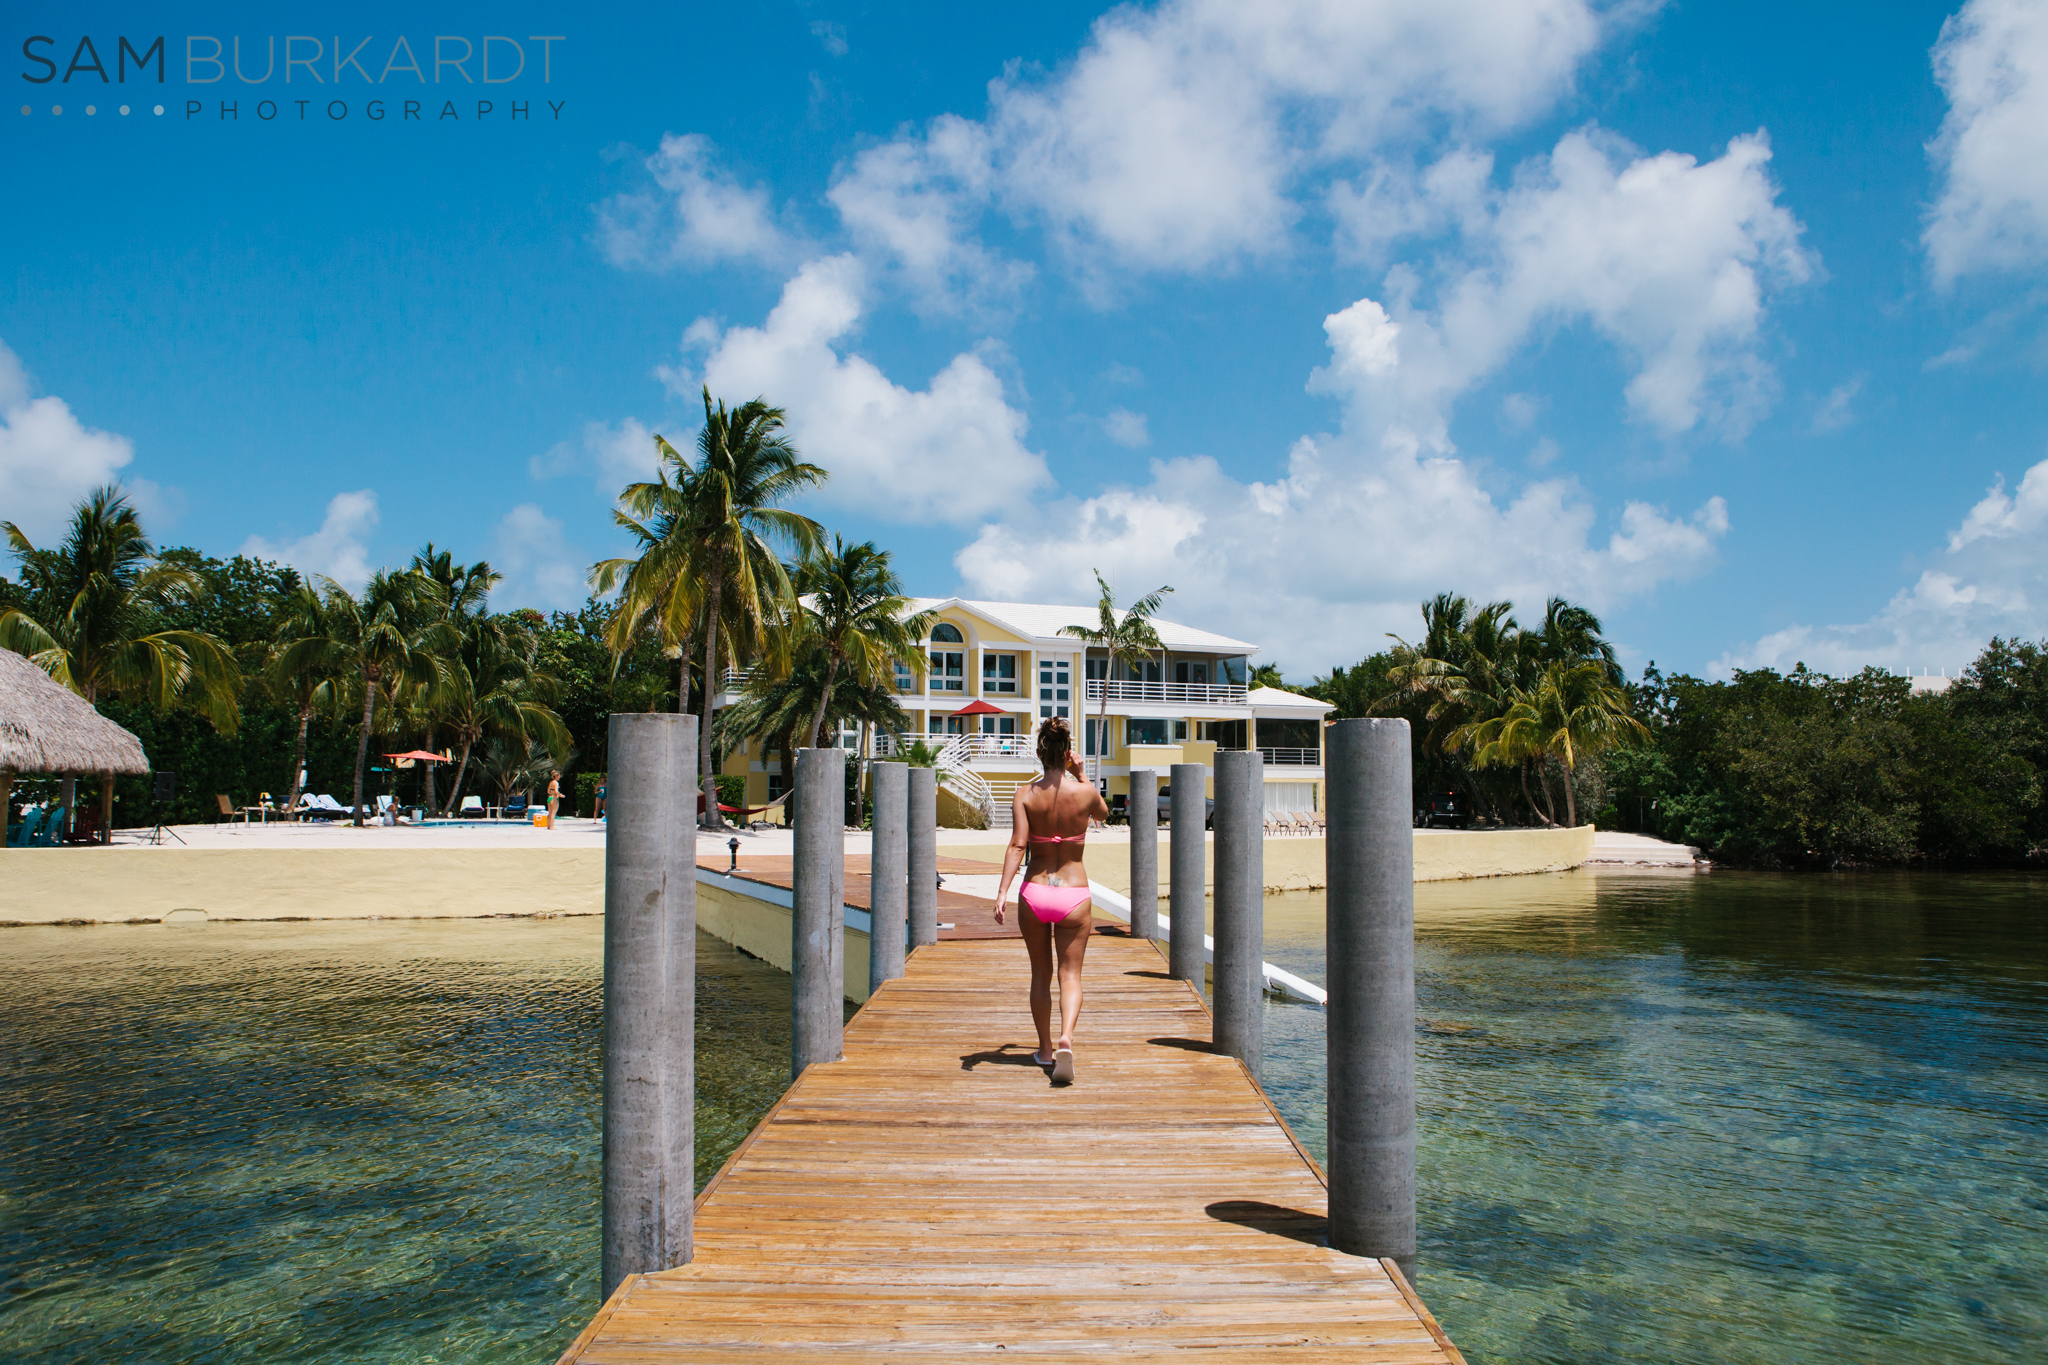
column 1038, row 943
column 1070, row 938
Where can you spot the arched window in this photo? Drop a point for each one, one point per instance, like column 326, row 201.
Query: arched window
column 946, row 633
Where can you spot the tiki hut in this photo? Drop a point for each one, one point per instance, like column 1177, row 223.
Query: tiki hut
column 45, row 727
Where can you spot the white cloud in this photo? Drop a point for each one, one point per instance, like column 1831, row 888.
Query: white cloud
column 1317, row 565
column 1127, row 428
column 1666, row 256
column 49, row 460
column 542, row 569
column 337, row 550
column 613, row 454
column 1992, row 62
column 1187, row 136
column 1992, row 579
column 701, row 214
column 832, row 36
column 951, row 452
column 1836, row 411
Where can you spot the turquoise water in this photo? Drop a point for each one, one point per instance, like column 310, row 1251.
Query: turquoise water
column 351, row 1142
column 1727, row 1118
column 1734, row 1118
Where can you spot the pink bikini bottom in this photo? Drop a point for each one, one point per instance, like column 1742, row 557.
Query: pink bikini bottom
column 1052, row 903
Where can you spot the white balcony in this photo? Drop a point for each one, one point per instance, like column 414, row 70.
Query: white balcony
column 1292, row 758
column 1164, row 693
column 966, row 748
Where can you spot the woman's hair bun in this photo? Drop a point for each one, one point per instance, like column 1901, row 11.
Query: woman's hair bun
column 1055, row 741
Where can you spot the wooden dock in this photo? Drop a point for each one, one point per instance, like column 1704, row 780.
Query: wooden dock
column 932, row 1196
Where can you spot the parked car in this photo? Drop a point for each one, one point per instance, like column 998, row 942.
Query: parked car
column 1446, row 810
column 1166, row 809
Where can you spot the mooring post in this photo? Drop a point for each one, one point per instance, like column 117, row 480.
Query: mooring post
column 1240, row 904
column 1144, row 814
column 888, row 872
column 1188, row 895
column 817, row 947
column 924, row 856
column 1370, row 949
column 650, row 995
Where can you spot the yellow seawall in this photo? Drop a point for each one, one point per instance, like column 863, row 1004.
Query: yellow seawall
column 1295, row 863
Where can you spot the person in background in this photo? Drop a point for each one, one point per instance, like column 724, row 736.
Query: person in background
column 598, row 813
column 554, row 795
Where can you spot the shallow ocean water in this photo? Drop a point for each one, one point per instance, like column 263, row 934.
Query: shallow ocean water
column 1727, row 1118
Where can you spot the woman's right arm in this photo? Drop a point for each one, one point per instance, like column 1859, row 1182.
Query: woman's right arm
column 1014, row 855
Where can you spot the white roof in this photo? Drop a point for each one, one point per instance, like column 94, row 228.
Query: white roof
column 1038, row 621
column 1264, row 699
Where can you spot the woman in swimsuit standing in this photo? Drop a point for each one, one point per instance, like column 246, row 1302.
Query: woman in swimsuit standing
column 1049, row 823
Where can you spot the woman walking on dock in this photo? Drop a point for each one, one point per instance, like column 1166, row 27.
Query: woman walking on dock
column 1049, row 824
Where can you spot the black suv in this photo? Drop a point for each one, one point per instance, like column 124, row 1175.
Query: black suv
column 1446, row 810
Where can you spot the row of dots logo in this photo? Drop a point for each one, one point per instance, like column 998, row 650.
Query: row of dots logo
column 89, row 109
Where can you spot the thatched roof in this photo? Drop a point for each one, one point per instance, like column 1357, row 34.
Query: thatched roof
column 45, row 727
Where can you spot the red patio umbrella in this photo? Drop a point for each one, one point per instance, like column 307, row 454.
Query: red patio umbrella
column 977, row 707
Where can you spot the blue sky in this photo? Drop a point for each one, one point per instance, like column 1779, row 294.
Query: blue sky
column 1726, row 320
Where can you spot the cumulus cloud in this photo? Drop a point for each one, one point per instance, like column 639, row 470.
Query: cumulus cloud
column 953, row 451
column 1666, row 256
column 697, row 213
column 1320, row 563
column 1991, row 579
column 338, row 550
column 614, row 454
column 49, row 460
column 1186, row 136
column 542, row 569
column 1837, row 410
column 1992, row 62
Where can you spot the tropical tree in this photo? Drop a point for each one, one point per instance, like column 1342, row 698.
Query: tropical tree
column 492, row 685
column 1572, row 710
column 309, row 681
column 745, row 466
column 851, row 604
column 776, row 706
column 98, row 602
column 1123, row 639
column 463, row 594
column 660, row 592
column 383, row 640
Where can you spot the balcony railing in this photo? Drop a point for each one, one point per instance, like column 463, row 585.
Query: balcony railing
column 1298, row 758
column 1197, row 694
column 967, row 747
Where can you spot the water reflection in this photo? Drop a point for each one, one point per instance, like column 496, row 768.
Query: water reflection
column 358, row 1141
column 1727, row 1118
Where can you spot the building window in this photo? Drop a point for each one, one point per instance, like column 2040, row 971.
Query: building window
column 1098, row 669
column 946, row 633
column 1094, row 743
column 775, row 787
column 999, row 725
column 1145, row 730
column 949, row 670
column 1187, row 672
column 1055, row 686
column 906, row 681
column 1180, row 731
column 999, row 673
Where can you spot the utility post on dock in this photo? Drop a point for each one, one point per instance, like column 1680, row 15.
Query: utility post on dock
column 650, row 996
column 889, row 870
column 924, row 857
column 1188, row 836
column 1240, row 904
column 817, row 923
column 1143, row 808
column 1371, row 953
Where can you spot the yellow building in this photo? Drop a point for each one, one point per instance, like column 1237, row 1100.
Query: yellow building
column 1178, row 707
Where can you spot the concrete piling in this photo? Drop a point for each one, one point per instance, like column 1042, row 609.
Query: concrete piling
column 888, row 873
column 818, row 919
column 1239, row 992
column 1143, row 808
column 1371, row 1026
column 650, row 996
column 924, row 856
column 1189, row 891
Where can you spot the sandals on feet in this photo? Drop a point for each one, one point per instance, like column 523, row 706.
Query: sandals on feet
column 1063, row 1066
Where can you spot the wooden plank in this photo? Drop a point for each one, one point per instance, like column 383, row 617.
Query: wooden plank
column 932, row 1195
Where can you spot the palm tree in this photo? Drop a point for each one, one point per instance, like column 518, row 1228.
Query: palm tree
column 310, row 680
column 1126, row 639
column 495, row 687
column 1572, row 710
column 386, row 638
column 852, row 605
column 659, row 589
column 745, row 467
column 775, row 706
column 464, row 592
column 101, row 597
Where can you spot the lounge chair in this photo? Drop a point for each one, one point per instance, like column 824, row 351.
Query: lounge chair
column 472, row 808
column 516, row 808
